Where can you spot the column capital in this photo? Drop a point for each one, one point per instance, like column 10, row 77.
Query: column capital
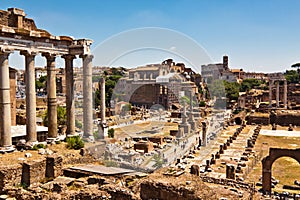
column 6, row 50
column 28, row 53
column 68, row 57
column 86, row 56
column 49, row 56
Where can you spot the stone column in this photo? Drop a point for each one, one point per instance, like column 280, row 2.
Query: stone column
column 87, row 95
column 5, row 119
column 277, row 94
column 102, row 88
column 51, row 95
column 31, row 135
column 70, row 103
column 285, row 94
column 270, row 93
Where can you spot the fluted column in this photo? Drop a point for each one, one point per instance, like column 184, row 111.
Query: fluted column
column 31, row 135
column 87, row 95
column 5, row 119
column 277, row 94
column 270, row 93
column 285, row 94
column 70, row 94
column 51, row 95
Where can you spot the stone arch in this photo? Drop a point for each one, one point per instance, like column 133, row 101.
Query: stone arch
column 268, row 161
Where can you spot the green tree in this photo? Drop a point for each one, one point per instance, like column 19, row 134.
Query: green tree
column 250, row 83
column 292, row 76
column 41, row 83
column 75, row 142
column 216, row 88
column 232, row 90
column 126, row 108
column 110, row 83
column 96, row 78
column 296, row 65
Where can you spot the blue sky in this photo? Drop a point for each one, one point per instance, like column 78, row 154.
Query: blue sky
column 257, row 35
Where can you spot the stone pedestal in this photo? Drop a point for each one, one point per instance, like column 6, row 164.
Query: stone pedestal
column 230, row 172
column 186, row 128
column 180, row 133
column 100, row 132
column 204, row 136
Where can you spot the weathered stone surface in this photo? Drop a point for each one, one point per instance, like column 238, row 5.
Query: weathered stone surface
column 63, row 180
column 169, row 188
column 10, row 176
column 54, row 166
column 33, row 172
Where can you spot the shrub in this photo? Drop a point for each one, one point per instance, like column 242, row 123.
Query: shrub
column 38, row 146
column 111, row 133
column 75, row 143
column 96, row 135
column 78, row 124
column 202, row 103
column 41, row 146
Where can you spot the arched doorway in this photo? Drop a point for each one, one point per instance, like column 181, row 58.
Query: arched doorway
column 268, row 161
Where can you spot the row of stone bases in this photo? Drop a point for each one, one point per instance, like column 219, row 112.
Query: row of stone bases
column 230, row 169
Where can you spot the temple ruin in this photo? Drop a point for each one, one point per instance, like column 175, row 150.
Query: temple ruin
column 275, row 79
column 19, row 33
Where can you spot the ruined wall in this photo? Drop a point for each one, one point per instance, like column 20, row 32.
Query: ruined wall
column 54, row 166
column 264, row 120
column 10, row 176
column 30, row 172
column 172, row 188
column 16, row 18
column 33, row 172
column 285, row 119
